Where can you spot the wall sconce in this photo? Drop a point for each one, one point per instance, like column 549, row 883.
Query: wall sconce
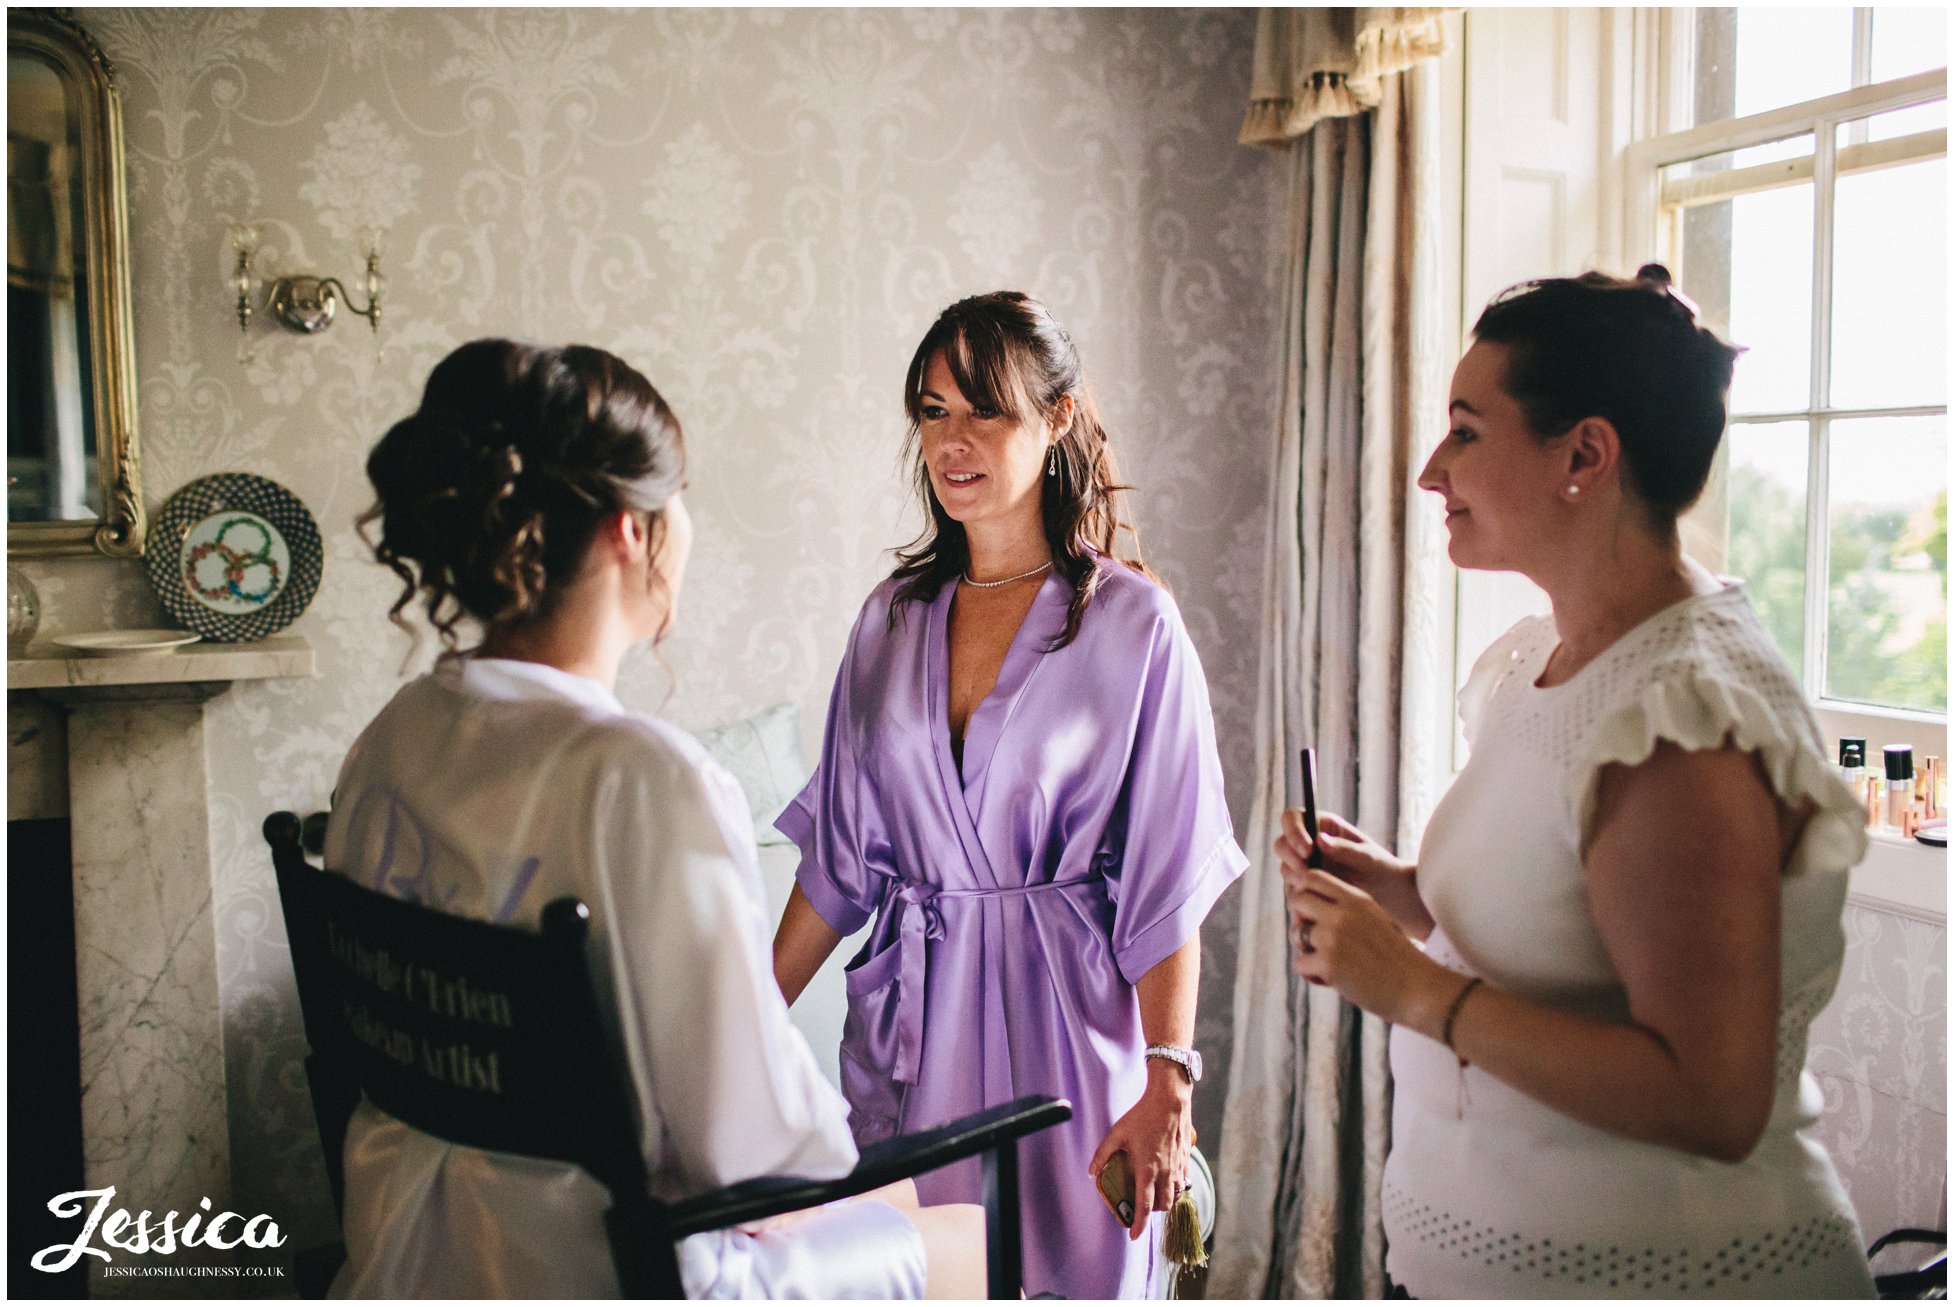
column 302, row 302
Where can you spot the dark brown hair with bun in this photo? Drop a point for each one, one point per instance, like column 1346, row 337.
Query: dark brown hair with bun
column 1629, row 350
column 1009, row 355
column 489, row 494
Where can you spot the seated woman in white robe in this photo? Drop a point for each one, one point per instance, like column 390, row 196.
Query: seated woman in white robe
column 536, row 492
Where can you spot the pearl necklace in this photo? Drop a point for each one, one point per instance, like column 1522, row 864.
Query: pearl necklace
column 992, row 585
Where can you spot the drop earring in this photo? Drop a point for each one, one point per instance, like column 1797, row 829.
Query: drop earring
column 1051, row 463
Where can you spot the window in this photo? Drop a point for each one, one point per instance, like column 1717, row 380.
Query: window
column 1804, row 206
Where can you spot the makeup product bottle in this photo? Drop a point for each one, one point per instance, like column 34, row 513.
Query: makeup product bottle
column 1899, row 786
column 1852, row 761
column 1874, row 796
column 1927, row 789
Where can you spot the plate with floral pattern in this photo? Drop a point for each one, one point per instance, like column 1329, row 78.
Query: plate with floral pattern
column 234, row 557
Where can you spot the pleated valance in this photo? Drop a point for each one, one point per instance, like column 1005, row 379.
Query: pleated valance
column 1312, row 64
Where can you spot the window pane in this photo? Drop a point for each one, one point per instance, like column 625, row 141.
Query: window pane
column 1887, row 605
column 1930, row 117
column 1750, row 524
column 1750, row 60
column 1788, row 55
column 1907, row 41
column 1747, row 260
column 1889, row 285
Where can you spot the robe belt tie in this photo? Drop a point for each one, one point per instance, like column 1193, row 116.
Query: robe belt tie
column 921, row 922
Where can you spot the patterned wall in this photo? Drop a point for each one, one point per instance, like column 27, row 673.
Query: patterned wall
column 1879, row 1050
column 764, row 210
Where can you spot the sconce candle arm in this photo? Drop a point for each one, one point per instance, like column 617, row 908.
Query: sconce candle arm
column 305, row 303
column 242, row 279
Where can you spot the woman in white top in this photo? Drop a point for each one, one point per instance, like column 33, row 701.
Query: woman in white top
column 536, row 492
column 1629, row 901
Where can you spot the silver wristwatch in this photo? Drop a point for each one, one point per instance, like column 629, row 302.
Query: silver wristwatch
column 1188, row 1059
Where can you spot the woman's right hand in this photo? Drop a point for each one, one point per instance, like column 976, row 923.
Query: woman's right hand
column 1357, row 859
column 1348, row 853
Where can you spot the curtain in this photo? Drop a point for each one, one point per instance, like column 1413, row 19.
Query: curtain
column 1312, row 64
column 1353, row 659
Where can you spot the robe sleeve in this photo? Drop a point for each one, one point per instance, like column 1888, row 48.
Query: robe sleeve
column 738, row 1090
column 1177, row 848
column 846, row 861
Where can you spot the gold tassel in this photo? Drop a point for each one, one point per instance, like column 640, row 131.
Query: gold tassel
column 1182, row 1245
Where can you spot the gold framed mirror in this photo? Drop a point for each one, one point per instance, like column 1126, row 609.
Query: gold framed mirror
column 73, row 477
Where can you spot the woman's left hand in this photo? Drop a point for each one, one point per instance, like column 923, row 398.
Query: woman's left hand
column 1156, row 1134
column 1344, row 939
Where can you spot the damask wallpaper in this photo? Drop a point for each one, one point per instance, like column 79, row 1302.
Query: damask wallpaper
column 1879, row 1050
column 762, row 209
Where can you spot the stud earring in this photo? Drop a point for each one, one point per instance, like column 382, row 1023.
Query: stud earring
column 1572, row 491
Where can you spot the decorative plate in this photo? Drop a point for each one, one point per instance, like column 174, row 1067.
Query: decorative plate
column 234, row 557
column 108, row 643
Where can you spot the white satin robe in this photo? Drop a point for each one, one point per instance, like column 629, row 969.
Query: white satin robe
column 490, row 788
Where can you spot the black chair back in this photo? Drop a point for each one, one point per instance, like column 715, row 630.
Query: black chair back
column 486, row 1036
column 490, row 1036
column 1925, row 1279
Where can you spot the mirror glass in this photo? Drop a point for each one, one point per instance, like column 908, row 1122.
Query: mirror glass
column 52, row 470
column 73, row 476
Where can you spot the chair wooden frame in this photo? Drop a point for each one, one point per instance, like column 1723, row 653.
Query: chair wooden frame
column 454, row 1067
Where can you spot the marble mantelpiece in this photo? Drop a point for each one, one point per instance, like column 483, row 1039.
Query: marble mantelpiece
column 154, row 1117
column 48, row 667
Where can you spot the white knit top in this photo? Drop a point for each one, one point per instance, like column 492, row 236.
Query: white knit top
column 1487, row 1192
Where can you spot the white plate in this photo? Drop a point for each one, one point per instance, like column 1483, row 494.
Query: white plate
column 105, row 643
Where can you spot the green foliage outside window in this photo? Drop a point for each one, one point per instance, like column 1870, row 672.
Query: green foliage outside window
column 1888, row 569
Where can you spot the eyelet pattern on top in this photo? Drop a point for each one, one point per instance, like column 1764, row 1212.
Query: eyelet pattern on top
column 1697, row 674
column 1738, row 1265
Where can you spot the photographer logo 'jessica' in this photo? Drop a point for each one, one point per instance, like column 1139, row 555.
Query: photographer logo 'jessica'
column 141, row 1235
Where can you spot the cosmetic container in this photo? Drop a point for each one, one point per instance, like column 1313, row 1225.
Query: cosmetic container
column 1852, row 761
column 1899, row 785
column 1926, row 790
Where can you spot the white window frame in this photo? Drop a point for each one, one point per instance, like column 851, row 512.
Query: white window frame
column 1642, row 165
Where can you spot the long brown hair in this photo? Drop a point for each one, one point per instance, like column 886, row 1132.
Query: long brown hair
column 489, row 494
column 1008, row 355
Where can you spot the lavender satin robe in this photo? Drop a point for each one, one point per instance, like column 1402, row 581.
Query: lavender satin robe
column 1017, row 904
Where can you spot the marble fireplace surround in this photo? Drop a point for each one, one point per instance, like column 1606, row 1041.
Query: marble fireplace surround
column 128, row 732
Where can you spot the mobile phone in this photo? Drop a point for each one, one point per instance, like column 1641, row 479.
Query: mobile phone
column 1309, row 806
column 1116, row 1187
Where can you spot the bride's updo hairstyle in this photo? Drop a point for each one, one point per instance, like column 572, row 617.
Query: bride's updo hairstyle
column 490, row 493
column 1629, row 350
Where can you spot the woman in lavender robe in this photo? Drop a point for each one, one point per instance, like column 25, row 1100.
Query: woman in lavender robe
column 1019, row 784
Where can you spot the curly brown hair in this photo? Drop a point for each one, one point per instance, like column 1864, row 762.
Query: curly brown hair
column 1009, row 355
column 489, row 494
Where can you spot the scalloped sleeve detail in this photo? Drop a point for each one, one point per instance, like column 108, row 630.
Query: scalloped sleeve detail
column 1696, row 709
